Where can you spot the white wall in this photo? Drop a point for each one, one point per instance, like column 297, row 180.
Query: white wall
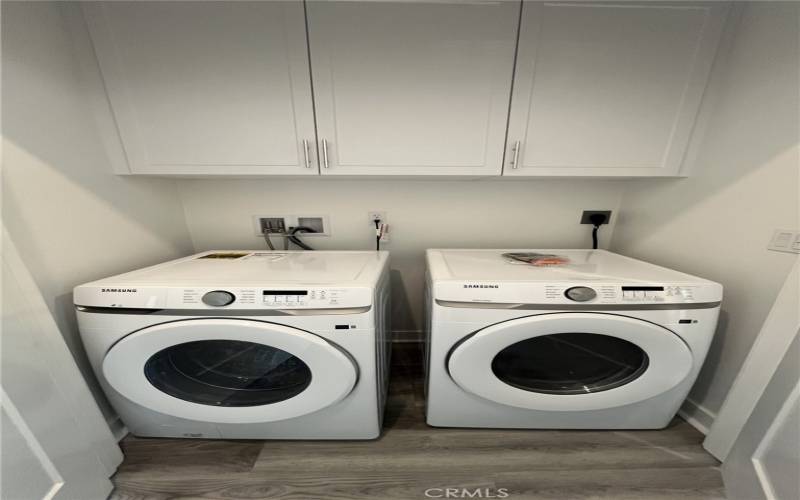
column 422, row 214
column 717, row 223
column 70, row 217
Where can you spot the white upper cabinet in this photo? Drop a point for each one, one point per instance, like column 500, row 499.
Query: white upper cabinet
column 403, row 87
column 412, row 88
column 609, row 89
column 207, row 87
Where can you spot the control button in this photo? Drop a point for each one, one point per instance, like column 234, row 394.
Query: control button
column 291, row 298
column 580, row 293
column 627, row 295
column 218, row 298
column 639, row 294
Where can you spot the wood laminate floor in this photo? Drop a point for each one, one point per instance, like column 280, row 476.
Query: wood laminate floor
column 411, row 458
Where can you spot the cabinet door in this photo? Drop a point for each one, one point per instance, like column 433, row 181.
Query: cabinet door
column 411, row 88
column 207, row 87
column 609, row 88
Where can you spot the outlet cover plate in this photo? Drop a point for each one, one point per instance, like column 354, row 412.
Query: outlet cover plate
column 379, row 214
column 376, row 214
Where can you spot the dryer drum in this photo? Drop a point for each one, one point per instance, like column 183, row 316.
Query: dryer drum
column 227, row 373
column 570, row 363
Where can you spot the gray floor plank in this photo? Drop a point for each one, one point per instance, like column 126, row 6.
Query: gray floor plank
column 411, row 457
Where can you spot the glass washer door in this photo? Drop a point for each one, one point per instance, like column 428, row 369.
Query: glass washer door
column 227, row 373
column 229, row 370
column 570, row 361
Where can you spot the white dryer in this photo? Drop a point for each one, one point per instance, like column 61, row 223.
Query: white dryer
column 241, row 344
column 601, row 342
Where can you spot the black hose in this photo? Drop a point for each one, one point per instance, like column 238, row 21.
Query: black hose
column 269, row 241
column 597, row 219
column 296, row 240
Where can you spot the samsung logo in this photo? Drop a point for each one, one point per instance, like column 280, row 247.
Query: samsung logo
column 481, row 286
column 118, row 290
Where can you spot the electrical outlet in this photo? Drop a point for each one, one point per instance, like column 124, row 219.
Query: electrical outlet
column 274, row 224
column 586, row 217
column 785, row 240
column 376, row 214
column 381, row 216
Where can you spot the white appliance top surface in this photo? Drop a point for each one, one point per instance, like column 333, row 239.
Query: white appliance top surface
column 584, row 265
column 261, row 268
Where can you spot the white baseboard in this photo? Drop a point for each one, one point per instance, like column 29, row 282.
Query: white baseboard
column 697, row 415
column 118, row 429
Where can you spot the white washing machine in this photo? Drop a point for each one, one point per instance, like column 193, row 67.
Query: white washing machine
column 601, row 342
column 242, row 344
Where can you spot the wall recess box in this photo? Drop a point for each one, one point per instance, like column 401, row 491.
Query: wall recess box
column 275, row 224
column 587, row 214
column 785, row 240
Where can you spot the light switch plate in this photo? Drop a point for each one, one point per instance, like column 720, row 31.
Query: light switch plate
column 785, row 240
column 796, row 243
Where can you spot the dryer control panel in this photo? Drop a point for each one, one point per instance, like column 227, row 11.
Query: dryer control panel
column 583, row 293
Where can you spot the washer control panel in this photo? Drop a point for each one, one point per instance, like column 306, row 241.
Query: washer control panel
column 218, row 298
column 642, row 293
column 300, row 298
column 580, row 293
column 269, row 298
column 657, row 293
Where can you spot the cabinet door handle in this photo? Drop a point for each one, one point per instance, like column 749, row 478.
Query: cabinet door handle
column 305, row 153
column 324, row 153
column 515, row 159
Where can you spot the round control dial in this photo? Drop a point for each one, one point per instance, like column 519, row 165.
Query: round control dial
column 580, row 293
column 218, row 298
